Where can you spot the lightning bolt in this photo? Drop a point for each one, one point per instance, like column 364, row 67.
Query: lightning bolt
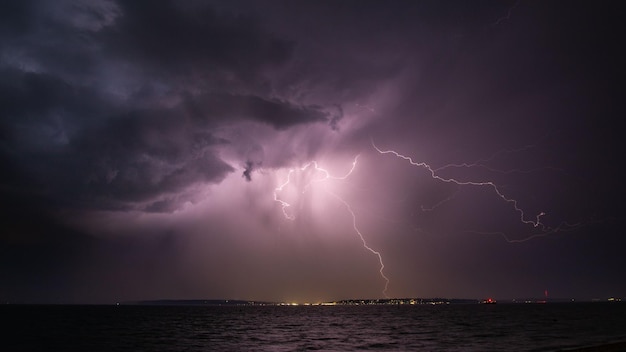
column 482, row 163
column 365, row 245
column 326, row 175
column 284, row 205
column 535, row 221
column 315, row 166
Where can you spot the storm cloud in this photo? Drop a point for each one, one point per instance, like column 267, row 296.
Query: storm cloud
column 165, row 149
column 131, row 139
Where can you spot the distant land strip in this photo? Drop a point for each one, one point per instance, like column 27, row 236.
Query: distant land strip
column 386, row 301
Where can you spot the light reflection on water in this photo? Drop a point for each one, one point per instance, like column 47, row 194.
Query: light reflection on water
column 523, row 327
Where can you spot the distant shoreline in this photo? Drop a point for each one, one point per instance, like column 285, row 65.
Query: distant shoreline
column 385, row 301
column 344, row 302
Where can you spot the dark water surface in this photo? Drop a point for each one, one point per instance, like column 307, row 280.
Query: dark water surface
column 501, row 327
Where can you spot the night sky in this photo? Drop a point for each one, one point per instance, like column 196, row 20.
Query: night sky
column 246, row 150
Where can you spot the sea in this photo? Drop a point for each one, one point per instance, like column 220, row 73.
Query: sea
column 448, row 327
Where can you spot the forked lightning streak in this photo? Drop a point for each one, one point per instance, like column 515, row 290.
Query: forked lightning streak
column 326, row 175
column 535, row 222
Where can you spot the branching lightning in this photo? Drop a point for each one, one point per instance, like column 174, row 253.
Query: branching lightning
column 315, row 166
column 326, row 175
column 319, row 174
column 535, row 221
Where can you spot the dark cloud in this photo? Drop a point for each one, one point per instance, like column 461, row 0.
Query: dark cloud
column 247, row 172
column 110, row 142
column 85, row 151
column 279, row 114
column 82, row 150
column 167, row 38
column 336, row 117
column 15, row 17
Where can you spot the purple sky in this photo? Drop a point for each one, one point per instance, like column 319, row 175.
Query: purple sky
column 161, row 150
